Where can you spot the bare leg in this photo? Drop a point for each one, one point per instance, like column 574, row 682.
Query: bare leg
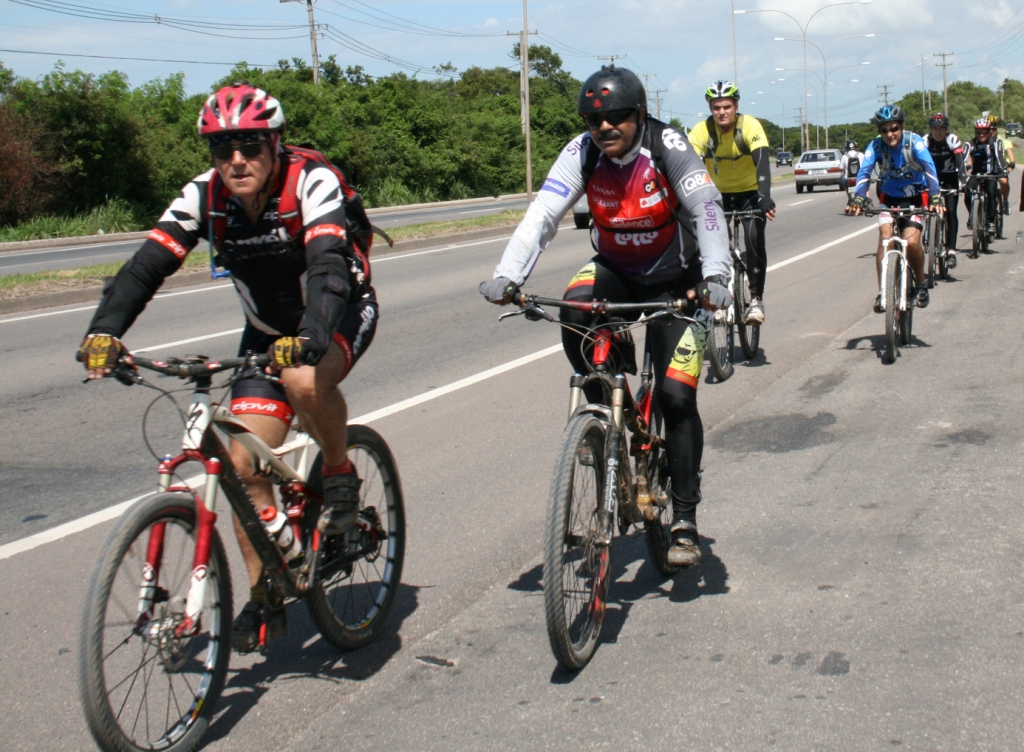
column 884, row 233
column 273, row 431
column 314, row 394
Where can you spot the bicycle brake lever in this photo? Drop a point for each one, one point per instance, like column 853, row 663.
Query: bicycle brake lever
column 536, row 313
column 510, row 314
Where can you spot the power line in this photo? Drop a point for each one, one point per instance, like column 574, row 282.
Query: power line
column 425, row 31
column 143, row 59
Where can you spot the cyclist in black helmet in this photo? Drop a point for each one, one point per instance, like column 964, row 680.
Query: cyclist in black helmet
column 659, row 231
column 948, row 153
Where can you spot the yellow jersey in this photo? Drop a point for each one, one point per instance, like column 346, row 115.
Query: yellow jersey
column 732, row 171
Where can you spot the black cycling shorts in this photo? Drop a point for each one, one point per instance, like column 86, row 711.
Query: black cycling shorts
column 902, row 202
column 261, row 397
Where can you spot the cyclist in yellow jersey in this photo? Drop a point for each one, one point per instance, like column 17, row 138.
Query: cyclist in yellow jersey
column 735, row 150
column 1011, row 162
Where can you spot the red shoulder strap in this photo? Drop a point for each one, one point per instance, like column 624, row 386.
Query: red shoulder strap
column 216, row 209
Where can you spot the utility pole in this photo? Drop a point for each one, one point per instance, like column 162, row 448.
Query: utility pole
column 1002, row 103
column 312, row 39
column 884, row 93
column 945, row 93
column 657, row 96
column 524, row 98
column 611, row 58
column 735, row 59
column 924, row 111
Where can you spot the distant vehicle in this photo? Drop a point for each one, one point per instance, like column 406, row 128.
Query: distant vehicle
column 581, row 213
column 819, row 167
column 783, row 158
column 1014, row 129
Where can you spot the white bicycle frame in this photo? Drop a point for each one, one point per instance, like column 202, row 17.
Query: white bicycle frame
column 900, row 252
column 267, row 461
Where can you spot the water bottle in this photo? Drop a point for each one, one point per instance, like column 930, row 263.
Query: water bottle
column 276, row 523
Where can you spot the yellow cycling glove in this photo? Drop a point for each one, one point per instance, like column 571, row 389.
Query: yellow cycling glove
column 287, row 351
column 100, row 351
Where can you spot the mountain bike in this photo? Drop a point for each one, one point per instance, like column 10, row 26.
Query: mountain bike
column 986, row 212
column 935, row 244
column 898, row 285
column 154, row 642
column 596, row 488
column 720, row 338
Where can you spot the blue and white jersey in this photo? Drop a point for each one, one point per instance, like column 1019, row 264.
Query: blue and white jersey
column 904, row 178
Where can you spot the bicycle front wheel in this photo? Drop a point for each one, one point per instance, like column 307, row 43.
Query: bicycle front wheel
column 719, row 347
column 750, row 334
column 144, row 684
column 999, row 216
column 361, row 570
column 977, row 226
column 906, row 317
column 577, row 558
column 892, row 309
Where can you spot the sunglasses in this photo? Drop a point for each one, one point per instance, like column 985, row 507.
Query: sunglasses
column 613, row 118
column 227, row 151
column 890, row 129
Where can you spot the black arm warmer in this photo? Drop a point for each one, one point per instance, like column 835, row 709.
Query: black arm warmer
column 327, row 293
column 763, row 162
column 126, row 295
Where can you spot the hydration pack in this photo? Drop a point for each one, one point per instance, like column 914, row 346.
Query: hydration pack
column 852, row 165
column 885, row 166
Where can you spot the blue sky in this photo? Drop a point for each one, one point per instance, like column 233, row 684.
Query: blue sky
column 680, row 44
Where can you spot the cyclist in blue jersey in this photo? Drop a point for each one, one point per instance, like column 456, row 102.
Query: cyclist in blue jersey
column 907, row 177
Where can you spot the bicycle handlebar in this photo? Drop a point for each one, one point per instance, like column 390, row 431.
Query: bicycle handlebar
column 745, row 214
column 190, row 368
column 680, row 305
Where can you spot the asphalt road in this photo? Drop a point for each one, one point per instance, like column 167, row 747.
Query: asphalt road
column 859, row 582
column 70, row 257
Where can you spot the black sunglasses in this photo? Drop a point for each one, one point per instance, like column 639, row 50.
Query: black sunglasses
column 612, row 117
column 250, row 150
column 890, row 129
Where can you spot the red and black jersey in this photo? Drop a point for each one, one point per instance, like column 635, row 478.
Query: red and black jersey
column 303, row 223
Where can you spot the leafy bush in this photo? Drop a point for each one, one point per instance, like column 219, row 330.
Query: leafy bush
column 117, row 215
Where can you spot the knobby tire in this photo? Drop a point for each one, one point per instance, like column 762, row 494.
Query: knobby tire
column 892, row 274
column 750, row 334
column 351, row 606
column 185, row 675
column 576, row 570
column 719, row 346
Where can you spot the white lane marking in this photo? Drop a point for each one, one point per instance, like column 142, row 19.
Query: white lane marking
column 805, row 201
column 478, row 211
column 93, row 307
column 375, row 262
column 20, row 254
column 83, row 523
column 821, row 248
column 187, row 341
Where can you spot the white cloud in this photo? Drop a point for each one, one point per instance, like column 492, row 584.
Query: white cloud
column 490, row 23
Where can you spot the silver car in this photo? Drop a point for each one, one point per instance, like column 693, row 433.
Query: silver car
column 818, row 167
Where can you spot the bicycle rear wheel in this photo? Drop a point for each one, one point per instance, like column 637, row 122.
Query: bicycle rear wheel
column 142, row 686
column 931, row 251
column 892, row 307
column 719, row 347
column 577, row 559
column 360, row 571
column 750, row 334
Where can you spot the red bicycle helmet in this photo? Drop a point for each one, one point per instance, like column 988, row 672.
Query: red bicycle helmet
column 982, row 124
column 240, row 107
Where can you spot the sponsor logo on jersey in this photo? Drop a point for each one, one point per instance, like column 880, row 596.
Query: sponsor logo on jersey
column 599, row 189
column 169, row 243
column 556, row 186
column 673, row 140
column 633, row 223
column 695, row 181
column 324, row 230
column 606, row 203
column 636, row 238
column 710, row 216
column 649, row 201
column 648, row 187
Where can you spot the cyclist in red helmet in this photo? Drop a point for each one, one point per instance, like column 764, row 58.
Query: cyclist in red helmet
column 294, row 237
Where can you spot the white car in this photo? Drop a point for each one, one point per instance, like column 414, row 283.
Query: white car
column 581, row 213
column 819, row 167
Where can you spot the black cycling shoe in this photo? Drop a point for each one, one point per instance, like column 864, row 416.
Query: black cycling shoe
column 245, row 629
column 878, row 304
column 922, row 295
column 685, row 551
column 341, row 504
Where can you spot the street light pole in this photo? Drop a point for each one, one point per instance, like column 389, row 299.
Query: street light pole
column 803, row 34
column 783, row 102
column 735, row 59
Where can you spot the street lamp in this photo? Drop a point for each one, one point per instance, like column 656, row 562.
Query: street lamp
column 824, row 63
column 783, row 101
column 803, row 34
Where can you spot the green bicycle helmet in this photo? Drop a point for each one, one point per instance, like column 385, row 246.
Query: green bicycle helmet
column 722, row 90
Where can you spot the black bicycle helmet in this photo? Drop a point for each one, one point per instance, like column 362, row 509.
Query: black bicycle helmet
column 610, row 89
column 851, row 145
column 938, row 120
column 891, row 113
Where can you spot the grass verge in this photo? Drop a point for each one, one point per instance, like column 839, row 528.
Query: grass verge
column 20, row 285
column 781, row 178
column 114, row 216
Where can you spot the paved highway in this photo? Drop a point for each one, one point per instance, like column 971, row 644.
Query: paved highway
column 859, row 588
column 70, row 257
